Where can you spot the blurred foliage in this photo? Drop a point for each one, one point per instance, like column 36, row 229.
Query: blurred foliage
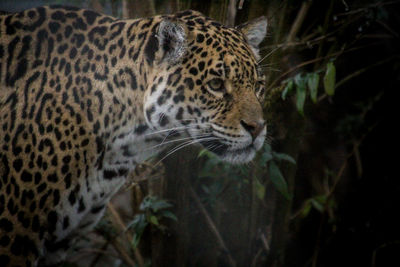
column 154, row 210
column 221, row 171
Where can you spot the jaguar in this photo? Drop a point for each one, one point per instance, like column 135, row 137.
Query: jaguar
column 85, row 97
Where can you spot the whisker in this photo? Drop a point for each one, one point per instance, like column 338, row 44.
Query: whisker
column 175, row 140
column 267, row 55
column 181, row 128
column 185, row 144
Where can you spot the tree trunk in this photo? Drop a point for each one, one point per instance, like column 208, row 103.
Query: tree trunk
column 132, row 9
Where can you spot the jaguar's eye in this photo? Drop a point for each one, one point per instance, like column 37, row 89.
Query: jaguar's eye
column 216, row 85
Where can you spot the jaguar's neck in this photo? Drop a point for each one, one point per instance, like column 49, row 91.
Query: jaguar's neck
column 129, row 72
column 124, row 130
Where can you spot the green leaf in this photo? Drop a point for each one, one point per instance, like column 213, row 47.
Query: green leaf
column 278, row 180
column 169, row 214
column 312, row 82
column 206, row 153
column 265, row 157
column 139, row 223
column 330, row 79
column 286, row 157
column 317, row 205
column 136, row 239
column 318, row 202
column 300, row 93
column 306, row 209
column 287, row 90
column 160, row 204
column 153, row 219
column 259, row 189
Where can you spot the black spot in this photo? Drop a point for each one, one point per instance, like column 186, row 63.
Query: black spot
column 79, row 39
column 72, row 198
column 66, row 159
column 189, row 83
column 79, row 24
column 23, row 245
column 43, row 199
column 179, row 98
column 85, row 142
column 41, row 188
column 38, row 177
column 99, row 42
column 6, row 225
column 81, row 206
column 53, row 246
column 65, row 222
column 35, row 224
column 4, row 241
column 141, row 129
column 4, row 259
column 164, row 120
column 64, row 169
column 90, row 16
column 72, row 53
column 109, row 174
column 54, row 26
column 97, row 209
column 151, row 49
column 201, row 65
column 52, row 220
column 58, row 15
column 193, row 71
column 61, row 49
column 67, row 180
column 150, row 111
column 17, row 164
column 52, row 178
column 26, row 176
column 179, row 114
column 12, row 208
column 200, row 38
column 56, row 197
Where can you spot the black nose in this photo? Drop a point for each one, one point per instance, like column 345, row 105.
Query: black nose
column 253, row 127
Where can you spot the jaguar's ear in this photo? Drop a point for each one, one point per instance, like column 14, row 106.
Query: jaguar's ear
column 171, row 37
column 255, row 31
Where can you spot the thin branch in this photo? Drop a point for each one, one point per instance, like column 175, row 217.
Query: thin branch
column 265, row 242
column 332, row 190
column 298, row 21
column 82, row 253
column 122, row 252
column 118, row 221
column 359, row 72
column 211, row 225
column 308, row 62
column 99, row 254
column 364, row 9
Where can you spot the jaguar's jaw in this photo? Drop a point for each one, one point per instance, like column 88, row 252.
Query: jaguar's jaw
column 228, row 154
column 238, row 156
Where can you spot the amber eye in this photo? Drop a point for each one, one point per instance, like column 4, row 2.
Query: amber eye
column 216, row 85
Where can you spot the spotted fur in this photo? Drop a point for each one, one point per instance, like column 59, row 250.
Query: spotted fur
column 85, row 97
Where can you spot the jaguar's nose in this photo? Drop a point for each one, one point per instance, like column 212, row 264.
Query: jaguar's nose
column 253, row 127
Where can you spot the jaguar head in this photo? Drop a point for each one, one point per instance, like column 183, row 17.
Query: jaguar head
column 207, row 86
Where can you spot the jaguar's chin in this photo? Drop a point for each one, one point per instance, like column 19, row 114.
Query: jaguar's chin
column 226, row 153
column 238, row 156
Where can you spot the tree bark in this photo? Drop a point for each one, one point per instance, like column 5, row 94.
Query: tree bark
column 132, row 9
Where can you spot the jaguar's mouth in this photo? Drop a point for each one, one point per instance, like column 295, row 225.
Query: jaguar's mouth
column 231, row 155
